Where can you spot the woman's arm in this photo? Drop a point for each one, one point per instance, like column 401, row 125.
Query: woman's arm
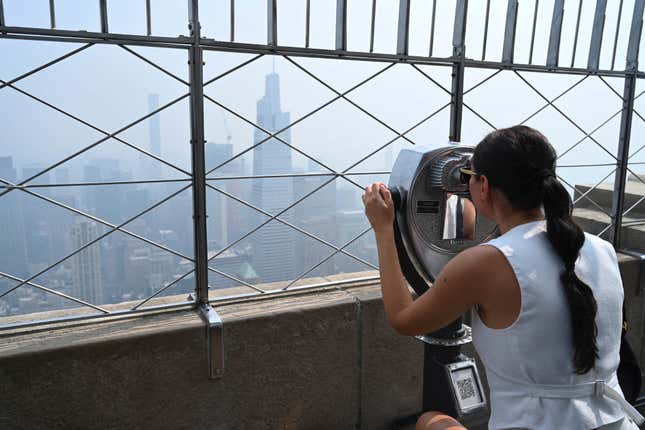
column 396, row 296
column 464, row 282
column 470, row 219
column 379, row 209
column 457, row 288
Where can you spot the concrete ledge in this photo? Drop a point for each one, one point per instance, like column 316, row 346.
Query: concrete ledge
column 323, row 359
column 594, row 221
column 603, row 194
column 151, row 372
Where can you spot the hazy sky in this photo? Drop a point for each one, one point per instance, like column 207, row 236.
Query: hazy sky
column 109, row 87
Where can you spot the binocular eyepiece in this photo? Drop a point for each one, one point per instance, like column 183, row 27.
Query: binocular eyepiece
column 435, row 217
column 449, row 175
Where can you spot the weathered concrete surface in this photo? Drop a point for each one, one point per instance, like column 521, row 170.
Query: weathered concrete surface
column 116, row 382
column 595, row 221
column 391, row 366
column 290, row 363
column 320, row 360
column 603, row 194
column 597, row 198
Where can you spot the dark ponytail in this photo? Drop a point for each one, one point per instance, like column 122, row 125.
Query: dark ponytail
column 520, row 162
column 567, row 239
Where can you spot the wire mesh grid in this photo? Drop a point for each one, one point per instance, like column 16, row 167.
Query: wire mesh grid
column 206, row 264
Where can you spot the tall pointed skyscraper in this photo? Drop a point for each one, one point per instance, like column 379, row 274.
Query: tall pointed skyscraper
column 273, row 244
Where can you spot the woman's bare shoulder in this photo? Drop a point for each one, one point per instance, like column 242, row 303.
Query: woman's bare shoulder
column 482, row 258
column 483, row 268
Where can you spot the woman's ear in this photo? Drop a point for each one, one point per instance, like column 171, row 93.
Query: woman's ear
column 484, row 188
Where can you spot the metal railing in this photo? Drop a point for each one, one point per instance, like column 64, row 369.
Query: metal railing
column 198, row 179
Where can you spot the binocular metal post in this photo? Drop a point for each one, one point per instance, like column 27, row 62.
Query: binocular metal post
column 451, row 382
column 442, row 356
column 434, row 221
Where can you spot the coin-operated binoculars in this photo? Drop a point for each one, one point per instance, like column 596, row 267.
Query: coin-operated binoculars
column 434, row 220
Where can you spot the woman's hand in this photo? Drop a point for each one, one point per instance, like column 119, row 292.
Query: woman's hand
column 379, row 207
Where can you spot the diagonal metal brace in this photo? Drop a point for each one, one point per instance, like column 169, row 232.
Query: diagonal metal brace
column 214, row 340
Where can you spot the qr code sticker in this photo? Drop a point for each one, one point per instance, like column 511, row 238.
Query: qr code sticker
column 466, row 389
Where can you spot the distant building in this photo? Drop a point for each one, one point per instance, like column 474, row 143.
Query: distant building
column 234, row 264
column 138, row 269
column 218, row 153
column 61, row 175
column 86, row 265
column 39, row 218
column 218, row 205
column 113, row 264
column 104, row 201
column 39, row 245
column 151, row 168
column 350, row 224
column 316, row 215
column 162, row 265
column 348, row 199
column 353, row 222
column 44, row 179
column 64, row 194
column 274, row 253
column 13, row 248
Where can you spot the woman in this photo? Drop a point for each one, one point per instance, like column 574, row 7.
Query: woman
column 546, row 297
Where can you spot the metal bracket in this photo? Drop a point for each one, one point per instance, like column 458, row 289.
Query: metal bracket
column 214, row 341
column 463, row 340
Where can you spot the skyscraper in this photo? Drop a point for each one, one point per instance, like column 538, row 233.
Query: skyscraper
column 317, row 215
column 273, row 248
column 44, row 179
column 103, row 201
column 38, row 216
column 13, row 247
column 216, row 203
column 86, row 265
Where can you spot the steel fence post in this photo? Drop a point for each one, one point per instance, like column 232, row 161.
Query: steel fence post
column 458, row 53
column 197, row 142
column 618, row 199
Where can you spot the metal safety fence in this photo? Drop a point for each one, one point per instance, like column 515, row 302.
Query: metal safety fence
column 470, row 95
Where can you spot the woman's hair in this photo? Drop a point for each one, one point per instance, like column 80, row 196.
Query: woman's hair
column 520, row 162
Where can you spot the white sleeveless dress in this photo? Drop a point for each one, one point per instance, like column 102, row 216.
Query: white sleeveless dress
column 529, row 364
